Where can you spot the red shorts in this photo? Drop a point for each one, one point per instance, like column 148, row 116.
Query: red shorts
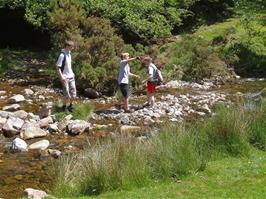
column 151, row 87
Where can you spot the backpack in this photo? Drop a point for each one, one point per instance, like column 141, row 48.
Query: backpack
column 63, row 62
column 158, row 78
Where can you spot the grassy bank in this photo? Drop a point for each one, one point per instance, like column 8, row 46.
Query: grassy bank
column 172, row 155
column 227, row 178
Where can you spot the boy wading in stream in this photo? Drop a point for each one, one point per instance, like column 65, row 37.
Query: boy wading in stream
column 66, row 75
column 123, row 79
column 154, row 78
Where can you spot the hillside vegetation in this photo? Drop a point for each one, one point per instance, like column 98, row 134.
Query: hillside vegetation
column 191, row 39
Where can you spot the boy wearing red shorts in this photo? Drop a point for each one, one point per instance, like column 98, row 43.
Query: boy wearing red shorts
column 151, row 81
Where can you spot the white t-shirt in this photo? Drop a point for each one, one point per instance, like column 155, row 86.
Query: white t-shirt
column 67, row 72
column 151, row 72
column 124, row 71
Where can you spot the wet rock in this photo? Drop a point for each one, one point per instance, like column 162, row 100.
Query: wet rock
column 21, row 114
column 91, row 93
column 53, row 128
column 124, row 120
column 46, row 109
column 12, row 126
column 35, row 194
column 32, row 131
column 42, row 145
column 2, row 122
column 18, row 145
column 77, row 127
column 6, row 114
column 63, row 124
column 125, row 129
column 16, row 99
column 28, row 91
column 13, row 107
column 43, row 123
column 2, row 93
column 54, row 153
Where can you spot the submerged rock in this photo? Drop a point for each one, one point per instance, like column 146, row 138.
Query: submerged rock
column 129, row 129
column 35, row 194
column 18, row 145
column 16, row 99
column 42, row 145
column 54, row 153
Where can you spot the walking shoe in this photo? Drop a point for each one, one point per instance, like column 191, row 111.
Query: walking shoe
column 71, row 108
column 64, row 108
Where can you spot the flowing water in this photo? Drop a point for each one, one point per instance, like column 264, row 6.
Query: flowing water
column 33, row 169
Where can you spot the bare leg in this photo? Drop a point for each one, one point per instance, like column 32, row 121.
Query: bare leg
column 125, row 103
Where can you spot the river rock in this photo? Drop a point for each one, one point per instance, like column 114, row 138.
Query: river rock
column 125, row 129
column 43, row 123
column 63, row 124
column 18, row 145
column 2, row 122
column 21, row 114
column 53, row 128
column 32, row 131
column 46, row 109
column 28, row 91
column 2, row 93
column 35, row 194
column 13, row 107
column 124, row 120
column 42, row 145
column 91, row 93
column 16, row 99
column 54, row 153
column 6, row 114
column 12, row 126
column 77, row 127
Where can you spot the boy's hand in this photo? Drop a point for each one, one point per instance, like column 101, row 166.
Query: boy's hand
column 138, row 58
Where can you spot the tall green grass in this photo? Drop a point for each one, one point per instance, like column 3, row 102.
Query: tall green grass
column 121, row 164
column 82, row 111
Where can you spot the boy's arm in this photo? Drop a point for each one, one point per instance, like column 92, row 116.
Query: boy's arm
column 132, row 59
column 58, row 67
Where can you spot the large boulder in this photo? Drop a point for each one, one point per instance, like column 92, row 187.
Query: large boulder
column 18, row 145
column 91, row 93
column 77, row 127
column 32, row 131
column 35, row 194
column 13, row 107
column 12, row 126
column 42, row 145
column 16, row 99
column 43, row 123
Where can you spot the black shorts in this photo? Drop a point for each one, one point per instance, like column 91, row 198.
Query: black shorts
column 124, row 88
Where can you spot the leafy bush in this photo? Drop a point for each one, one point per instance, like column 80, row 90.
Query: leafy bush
column 197, row 58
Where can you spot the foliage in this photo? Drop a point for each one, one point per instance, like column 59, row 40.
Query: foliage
column 197, row 58
column 82, row 111
column 117, row 164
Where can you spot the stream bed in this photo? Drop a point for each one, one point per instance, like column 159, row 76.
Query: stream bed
column 34, row 169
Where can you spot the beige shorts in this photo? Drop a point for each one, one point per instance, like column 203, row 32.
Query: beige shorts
column 69, row 88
